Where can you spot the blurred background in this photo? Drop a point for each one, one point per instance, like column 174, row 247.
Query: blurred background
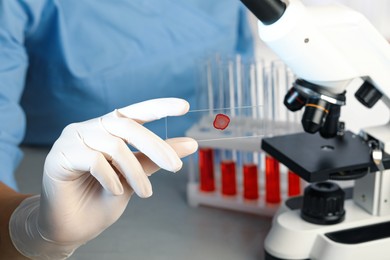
column 181, row 221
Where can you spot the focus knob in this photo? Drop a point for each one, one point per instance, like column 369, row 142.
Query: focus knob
column 323, row 204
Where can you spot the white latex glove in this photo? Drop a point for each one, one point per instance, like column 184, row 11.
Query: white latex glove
column 90, row 175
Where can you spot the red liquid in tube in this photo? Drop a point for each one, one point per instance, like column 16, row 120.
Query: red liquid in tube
column 294, row 184
column 251, row 186
column 272, row 180
column 206, row 169
column 228, row 173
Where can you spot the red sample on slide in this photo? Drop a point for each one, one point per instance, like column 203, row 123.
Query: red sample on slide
column 221, row 121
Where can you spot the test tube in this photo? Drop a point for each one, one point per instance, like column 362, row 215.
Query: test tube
column 206, row 169
column 292, row 119
column 294, row 184
column 250, row 176
column 246, row 98
column 272, row 168
column 272, row 180
column 206, row 98
column 228, row 174
column 210, row 87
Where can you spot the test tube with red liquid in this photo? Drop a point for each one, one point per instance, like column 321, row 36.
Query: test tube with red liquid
column 250, row 176
column 228, row 174
column 206, row 170
column 272, row 180
column 294, row 184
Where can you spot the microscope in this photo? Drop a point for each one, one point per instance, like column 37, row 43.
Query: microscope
column 330, row 49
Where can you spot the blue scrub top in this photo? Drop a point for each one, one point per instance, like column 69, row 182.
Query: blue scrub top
column 65, row 61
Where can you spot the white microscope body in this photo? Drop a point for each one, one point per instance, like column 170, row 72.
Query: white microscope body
column 333, row 48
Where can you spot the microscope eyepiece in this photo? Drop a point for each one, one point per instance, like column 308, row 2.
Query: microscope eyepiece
column 267, row 11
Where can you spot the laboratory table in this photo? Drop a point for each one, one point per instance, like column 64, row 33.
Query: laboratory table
column 163, row 226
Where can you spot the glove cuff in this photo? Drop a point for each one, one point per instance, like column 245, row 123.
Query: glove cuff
column 24, row 233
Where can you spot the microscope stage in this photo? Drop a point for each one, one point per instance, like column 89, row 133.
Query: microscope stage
column 315, row 159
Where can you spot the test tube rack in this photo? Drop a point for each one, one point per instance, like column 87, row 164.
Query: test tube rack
column 196, row 197
column 250, row 94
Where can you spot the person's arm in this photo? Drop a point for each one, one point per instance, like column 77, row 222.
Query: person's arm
column 9, row 201
column 89, row 176
column 18, row 19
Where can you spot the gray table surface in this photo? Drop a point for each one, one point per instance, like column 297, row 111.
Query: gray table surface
column 163, row 226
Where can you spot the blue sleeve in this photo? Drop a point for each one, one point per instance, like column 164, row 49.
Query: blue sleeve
column 17, row 19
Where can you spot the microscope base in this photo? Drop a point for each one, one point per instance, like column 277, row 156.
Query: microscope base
column 360, row 236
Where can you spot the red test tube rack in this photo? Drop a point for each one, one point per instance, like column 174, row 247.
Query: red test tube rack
column 257, row 187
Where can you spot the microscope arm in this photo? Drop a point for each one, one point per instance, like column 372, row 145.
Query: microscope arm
column 330, row 48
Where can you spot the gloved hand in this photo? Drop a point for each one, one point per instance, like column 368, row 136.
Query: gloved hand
column 90, row 175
